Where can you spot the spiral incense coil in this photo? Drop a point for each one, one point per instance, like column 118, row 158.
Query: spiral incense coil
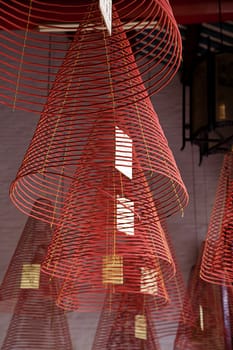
column 24, row 270
column 108, row 237
column 208, row 331
column 229, row 293
column 84, row 296
column 36, row 36
column 179, row 308
column 129, row 326
column 64, row 143
column 37, row 323
column 217, row 261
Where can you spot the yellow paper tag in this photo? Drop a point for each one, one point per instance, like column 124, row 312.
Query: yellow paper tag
column 113, row 269
column 30, row 278
column 140, row 327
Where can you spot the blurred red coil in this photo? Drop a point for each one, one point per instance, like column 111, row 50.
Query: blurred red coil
column 208, row 331
column 217, row 261
column 129, row 326
column 37, row 323
column 24, row 269
column 228, row 294
column 179, row 308
column 32, row 53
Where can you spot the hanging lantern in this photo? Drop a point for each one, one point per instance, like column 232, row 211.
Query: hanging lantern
column 208, row 332
column 129, row 327
column 217, row 261
column 35, row 37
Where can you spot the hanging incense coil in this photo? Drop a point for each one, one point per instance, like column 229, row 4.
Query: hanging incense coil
column 165, row 294
column 128, row 326
column 108, row 238
column 37, row 323
column 83, row 296
column 229, row 302
column 64, row 142
column 24, row 270
column 179, row 308
column 206, row 300
column 217, row 261
column 35, row 37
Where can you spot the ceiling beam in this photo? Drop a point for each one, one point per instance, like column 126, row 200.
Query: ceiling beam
column 185, row 11
column 198, row 11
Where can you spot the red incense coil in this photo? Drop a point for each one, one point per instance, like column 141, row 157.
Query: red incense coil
column 129, row 326
column 62, row 143
column 229, row 291
column 217, row 261
column 83, row 296
column 108, row 238
column 24, row 269
column 37, row 323
column 179, row 308
column 208, row 331
column 31, row 56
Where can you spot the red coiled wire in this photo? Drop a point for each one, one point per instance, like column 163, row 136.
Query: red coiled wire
column 129, row 326
column 30, row 58
column 217, row 261
column 208, row 331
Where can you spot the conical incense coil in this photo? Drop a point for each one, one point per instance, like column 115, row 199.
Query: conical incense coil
column 179, row 308
column 229, row 291
column 108, row 237
column 206, row 300
column 128, row 326
column 35, row 37
column 217, row 260
column 87, row 295
column 37, row 323
column 24, row 270
column 62, row 143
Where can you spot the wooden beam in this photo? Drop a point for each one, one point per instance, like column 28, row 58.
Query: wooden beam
column 190, row 50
